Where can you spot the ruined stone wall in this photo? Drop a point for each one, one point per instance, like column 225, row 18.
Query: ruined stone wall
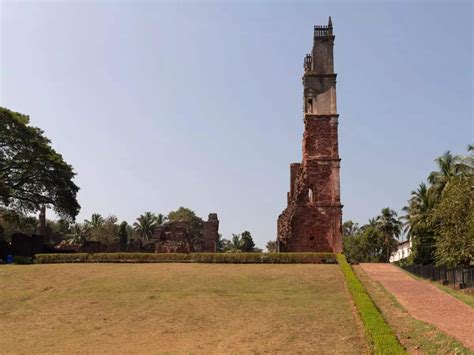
column 210, row 234
column 313, row 217
column 177, row 237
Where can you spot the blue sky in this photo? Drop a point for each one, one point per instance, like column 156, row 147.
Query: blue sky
column 199, row 104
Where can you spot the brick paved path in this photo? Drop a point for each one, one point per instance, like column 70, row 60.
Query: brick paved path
column 426, row 302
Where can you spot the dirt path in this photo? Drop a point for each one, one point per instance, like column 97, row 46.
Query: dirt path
column 426, row 302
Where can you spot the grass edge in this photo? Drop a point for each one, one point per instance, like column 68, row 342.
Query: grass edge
column 380, row 336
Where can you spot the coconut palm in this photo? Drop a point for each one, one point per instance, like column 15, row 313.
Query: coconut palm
column 235, row 245
column 96, row 221
column 78, row 234
column 419, row 223
column 419, row 209
column 449, row 166
column 271, row 246
column 160, row 219
column 145, row 226
column 390, row 226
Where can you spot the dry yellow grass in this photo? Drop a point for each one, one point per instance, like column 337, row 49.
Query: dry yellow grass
column 157, row 308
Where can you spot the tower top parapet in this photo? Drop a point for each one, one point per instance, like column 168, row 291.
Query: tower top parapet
column 323, row 30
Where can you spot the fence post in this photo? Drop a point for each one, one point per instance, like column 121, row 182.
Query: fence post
column 463, row 285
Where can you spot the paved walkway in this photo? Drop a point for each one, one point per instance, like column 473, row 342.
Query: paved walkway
column 426, row 302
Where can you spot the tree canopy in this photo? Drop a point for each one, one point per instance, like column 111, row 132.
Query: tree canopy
column 32, row 173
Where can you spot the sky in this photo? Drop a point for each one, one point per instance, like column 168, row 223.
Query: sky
column 160, row 104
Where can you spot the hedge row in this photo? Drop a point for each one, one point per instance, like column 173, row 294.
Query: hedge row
column 380, row 335
column 230, row 258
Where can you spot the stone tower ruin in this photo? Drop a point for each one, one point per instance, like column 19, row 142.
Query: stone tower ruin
column 312, row 220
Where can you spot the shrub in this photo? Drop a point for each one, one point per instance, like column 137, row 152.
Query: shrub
column 230, row 258
column 380, row 335
column 61, row 258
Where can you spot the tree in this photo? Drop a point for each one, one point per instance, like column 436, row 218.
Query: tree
column 95, row 222
column 454, row 220
column 221, row 243
column 390, row 227
column 160, row 219
column 271, row 246
column 32, row 173
column 145, row 226
column 106, row 232
column 419, row 224
column 123, row 236
column 234, row 245
column 247, row 242
column 196, row 223
column 449, row 166
column 78, row 234
column 13, row 221
column 350, row 229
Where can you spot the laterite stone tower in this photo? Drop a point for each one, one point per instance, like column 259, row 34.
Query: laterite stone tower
column 312, row 220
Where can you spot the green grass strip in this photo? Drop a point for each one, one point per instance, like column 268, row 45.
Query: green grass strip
column 380, row 335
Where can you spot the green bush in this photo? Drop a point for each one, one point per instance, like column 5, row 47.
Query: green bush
column 61, row 258
column 380, row 335
column 230, row 258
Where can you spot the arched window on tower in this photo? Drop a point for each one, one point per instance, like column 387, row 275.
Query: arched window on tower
column 310, row 196
column 309, row 106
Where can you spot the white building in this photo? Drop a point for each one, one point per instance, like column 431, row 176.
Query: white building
column 403, row 251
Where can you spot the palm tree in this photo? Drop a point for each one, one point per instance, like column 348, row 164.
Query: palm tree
column 96, row 221
column 235, row 245
column 145, row 226
column 78, row 234
column 160, row 219
column 419, row 224
column 449, row 166
column 390, row 227
column 271, row 246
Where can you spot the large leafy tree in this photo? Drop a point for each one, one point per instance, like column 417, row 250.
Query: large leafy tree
column 454, row 220
column 106, row 231
column 32, row 173
column 350, row 229
column 16, row 222
column 247, row 242
column 123, row 236
column 184, row 214
column 145, row 226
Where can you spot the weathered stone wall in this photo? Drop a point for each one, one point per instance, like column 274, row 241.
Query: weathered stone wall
column 210, row 234
column 177, row 237
column 313, row 217
column 174, row 237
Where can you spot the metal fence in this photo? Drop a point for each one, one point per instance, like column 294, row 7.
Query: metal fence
column 459, row 276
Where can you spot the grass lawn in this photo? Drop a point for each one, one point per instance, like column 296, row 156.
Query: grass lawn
column 156, row 308
column 416, row 336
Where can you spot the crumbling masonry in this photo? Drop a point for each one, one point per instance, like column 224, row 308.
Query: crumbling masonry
column 312, row 219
